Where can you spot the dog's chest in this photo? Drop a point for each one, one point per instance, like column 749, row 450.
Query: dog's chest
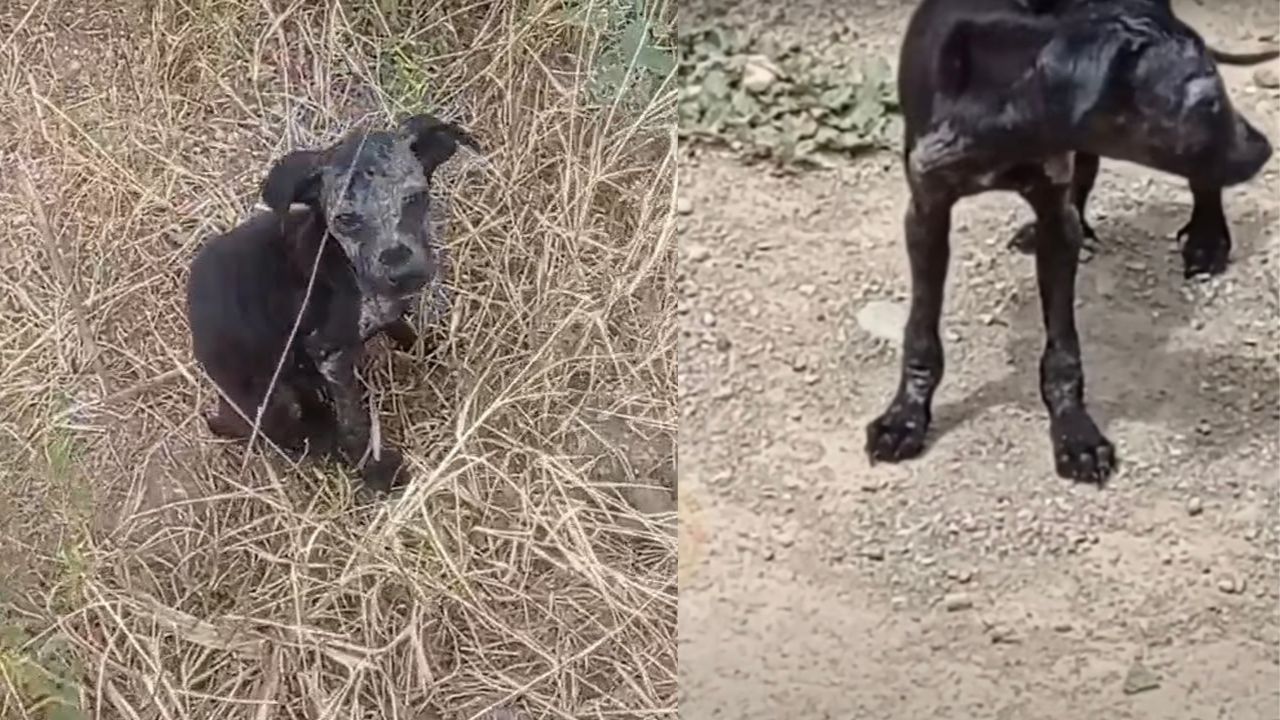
column 379, row 311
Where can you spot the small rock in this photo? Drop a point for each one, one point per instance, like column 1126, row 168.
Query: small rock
column 1140, row 679
column 884, row 319
column 723, row 344
column 960, row 576
column 808, row 290
column 684, row 206
column 954, row 602
column 699, row 253
column 759, row 74
column 1195, row 506
column 1231, row 585
column 873, row 552
column 1062, row 627
column 1266, row 78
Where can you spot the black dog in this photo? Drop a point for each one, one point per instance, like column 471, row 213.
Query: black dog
column 365, row 232
column 1206, row 238
column 996, row 97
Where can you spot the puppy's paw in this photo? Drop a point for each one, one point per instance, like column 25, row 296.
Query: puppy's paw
column 385, row 474
column 898, row 434
column 1081, row 452
column 1024, row 240
column 1205, row 251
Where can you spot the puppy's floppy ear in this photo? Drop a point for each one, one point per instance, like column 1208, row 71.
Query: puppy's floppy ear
column 434, row 141
column 990, row 51
column 294, row 178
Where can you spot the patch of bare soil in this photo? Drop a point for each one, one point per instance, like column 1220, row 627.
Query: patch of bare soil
column 973, row 583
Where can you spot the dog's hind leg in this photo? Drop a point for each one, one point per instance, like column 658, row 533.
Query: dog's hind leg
column 1082, row 180
column 899, row 433
column 1206, row 237
column 1080, row 450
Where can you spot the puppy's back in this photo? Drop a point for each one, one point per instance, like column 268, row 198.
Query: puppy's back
column 241, row 302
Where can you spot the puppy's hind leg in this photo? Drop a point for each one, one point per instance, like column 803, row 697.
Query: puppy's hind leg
column 1080, row 450
column 1082, row 180
column 899, row 433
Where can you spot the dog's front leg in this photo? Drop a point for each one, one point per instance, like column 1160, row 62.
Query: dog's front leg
column 1080, row 450
column 1206, row 237
column 338, row 369
column 899, row 433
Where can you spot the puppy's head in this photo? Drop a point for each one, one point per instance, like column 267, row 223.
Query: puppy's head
column 370, row 190
column 1108, row 80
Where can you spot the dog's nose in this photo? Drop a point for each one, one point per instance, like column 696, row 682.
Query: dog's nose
column 396, row 256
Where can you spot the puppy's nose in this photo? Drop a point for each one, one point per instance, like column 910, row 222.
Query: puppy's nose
column 396, row 256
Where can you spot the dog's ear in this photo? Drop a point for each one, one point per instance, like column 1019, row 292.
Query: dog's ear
column 989, row 51
column 294, row 178
column 433, row 141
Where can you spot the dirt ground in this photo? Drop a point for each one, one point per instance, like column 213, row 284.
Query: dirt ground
column 973, row 582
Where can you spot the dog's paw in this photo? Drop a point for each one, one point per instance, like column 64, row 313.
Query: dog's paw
column 384, row 474
column 1024, row 240
column 1081, row 452
column 1204, row 252
column 898, row 434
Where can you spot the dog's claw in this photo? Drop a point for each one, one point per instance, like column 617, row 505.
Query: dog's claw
column 1081, row 452
column 897, row 435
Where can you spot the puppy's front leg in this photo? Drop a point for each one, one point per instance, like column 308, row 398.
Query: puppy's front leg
column 899, row 433
column 1206, row 236
column 402, row 334
column 338, row 369
column 1080, row 451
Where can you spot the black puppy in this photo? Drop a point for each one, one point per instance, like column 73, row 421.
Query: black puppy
column 996, row 98
column 363, row 227
column 1206, row 238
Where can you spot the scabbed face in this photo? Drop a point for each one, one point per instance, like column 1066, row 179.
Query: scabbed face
column 371, row 191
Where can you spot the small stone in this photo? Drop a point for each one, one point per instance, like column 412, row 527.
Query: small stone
column 873, row 552
column 723, row 344
column 955, row 602
column 960, row 576
column 684, row 206
column 699, row 253
column 808, row 290
column 759, row 74
column 884, row 319
column 1231, row 585
column 1266, row 78
column 1062, row 627
column 786, row 537
column 1140, row 679
column 1195, row 506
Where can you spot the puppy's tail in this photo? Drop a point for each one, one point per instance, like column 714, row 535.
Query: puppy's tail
column 1250, row 58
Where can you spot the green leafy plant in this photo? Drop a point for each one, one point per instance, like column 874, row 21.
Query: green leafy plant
column 790, row 106
column 39, row 674
column 635, row 53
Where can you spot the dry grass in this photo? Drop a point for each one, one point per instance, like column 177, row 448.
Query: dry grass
column 526, row 572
